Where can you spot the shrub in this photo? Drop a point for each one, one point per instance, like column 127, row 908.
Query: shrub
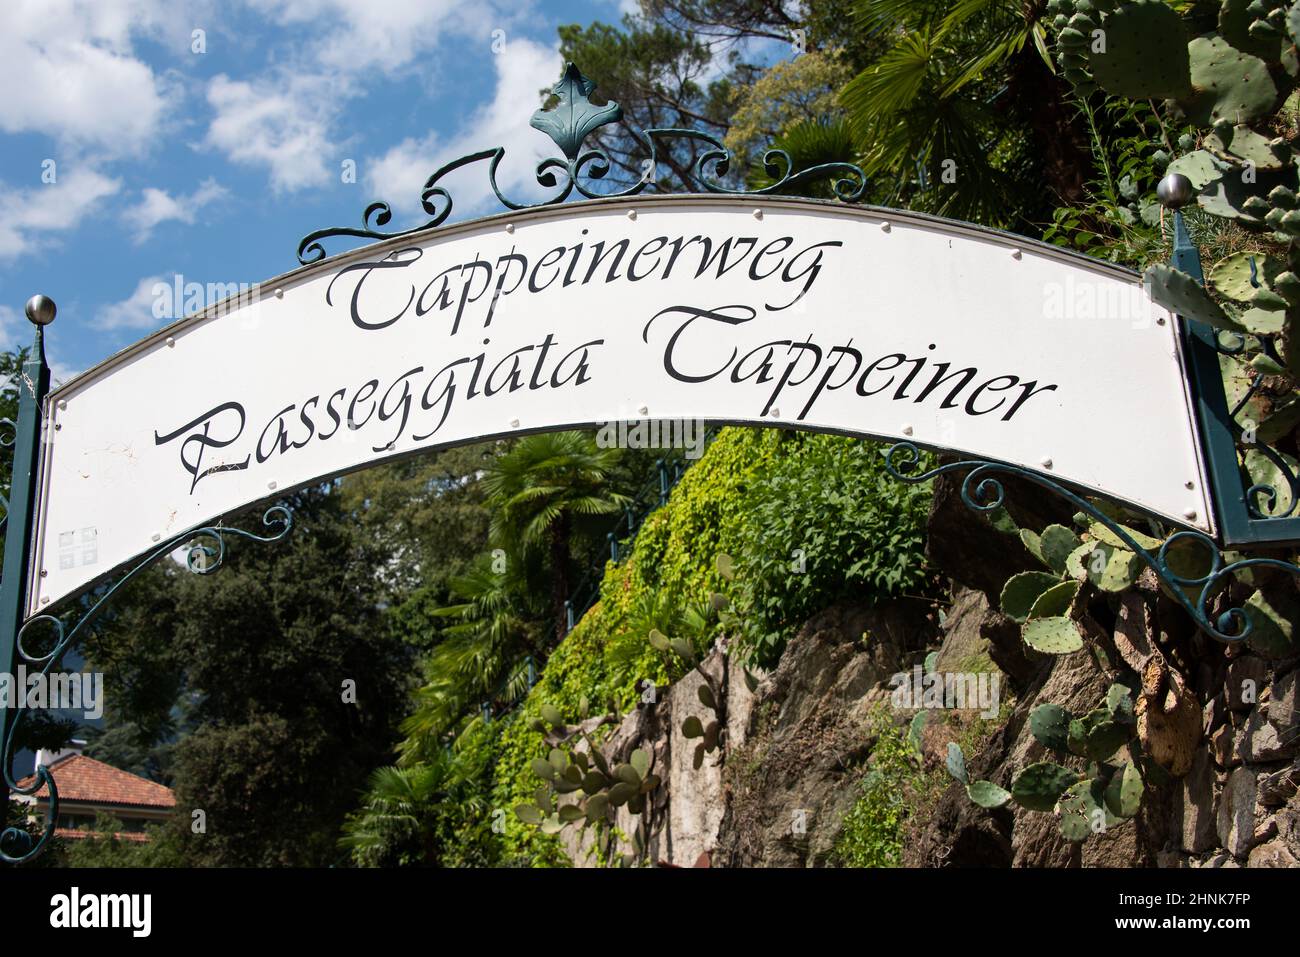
column 825, row 523
column 873, row 827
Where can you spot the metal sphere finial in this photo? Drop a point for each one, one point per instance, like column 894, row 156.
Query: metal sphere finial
column 41, row 310
column 1175, row 191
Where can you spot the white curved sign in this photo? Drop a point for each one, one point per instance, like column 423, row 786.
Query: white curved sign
column 805, row 314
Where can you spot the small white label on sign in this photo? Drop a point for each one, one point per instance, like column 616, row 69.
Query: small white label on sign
column 79, row 547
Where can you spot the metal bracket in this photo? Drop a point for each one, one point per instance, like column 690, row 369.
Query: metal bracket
column 1240, row 519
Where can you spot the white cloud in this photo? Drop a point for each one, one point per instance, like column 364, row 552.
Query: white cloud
column 136, row 310
column 157, row 206
column 523, row 69
column 284, row 120
column 11, row 328
column 354, row 37
column 70, row 71
column 399, row 175
column 280, row 122
column 28, row 216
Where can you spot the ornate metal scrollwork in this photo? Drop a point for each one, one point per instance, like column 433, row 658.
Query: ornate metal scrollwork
column 1261, row 498
column 572, row 120
column 8, row 435
column 207, row 552
column 981, row 491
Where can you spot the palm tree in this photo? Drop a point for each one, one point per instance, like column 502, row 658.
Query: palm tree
column 809, row 143
column 398, row 822
column 970, row 82
column 544, row 491
column 490, row 631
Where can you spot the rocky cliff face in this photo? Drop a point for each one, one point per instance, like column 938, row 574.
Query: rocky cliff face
column 1224, row 721
column 777, row 790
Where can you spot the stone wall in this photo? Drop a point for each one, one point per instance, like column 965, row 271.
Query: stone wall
column 1224, row 721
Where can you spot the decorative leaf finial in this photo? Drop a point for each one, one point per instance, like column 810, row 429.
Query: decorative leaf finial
column 574, row 115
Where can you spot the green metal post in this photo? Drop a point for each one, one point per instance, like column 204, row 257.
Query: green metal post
column 33, row 384
column 1236, row 525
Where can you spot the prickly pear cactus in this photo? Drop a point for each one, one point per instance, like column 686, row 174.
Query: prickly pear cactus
column 1230, row 86
column 1102, row 784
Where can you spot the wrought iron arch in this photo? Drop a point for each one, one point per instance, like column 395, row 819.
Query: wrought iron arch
column 1241, row 506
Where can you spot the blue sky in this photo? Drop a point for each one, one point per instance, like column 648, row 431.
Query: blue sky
column 126, row 157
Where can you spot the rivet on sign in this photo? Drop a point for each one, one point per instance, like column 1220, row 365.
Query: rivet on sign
column 58, row 426
column 271, row 486
column 514, row 423
column 643, row 410
column 279, row 294
column 1047, row 463
column 775, row 412
column 156, row 536
column 171, row 343
column 510, row 227
column 44, row 573
column 1190, row 514
column 1160, row 320
column 907, row 430
column 758, row 214
column 1015, row 254
column 63, row 405
column 45, row 600
column 1189, row 486
column 885, row 227
column 631, row 214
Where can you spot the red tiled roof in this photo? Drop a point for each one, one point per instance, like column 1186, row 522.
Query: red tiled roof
column 80, row 778
column 69, row 833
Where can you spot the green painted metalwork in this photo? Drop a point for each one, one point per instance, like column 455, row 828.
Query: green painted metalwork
column 569, row 123
column 981, row 491
column 33, row 385
column 1236, row 500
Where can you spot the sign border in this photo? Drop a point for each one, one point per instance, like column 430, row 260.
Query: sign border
column 872, row 214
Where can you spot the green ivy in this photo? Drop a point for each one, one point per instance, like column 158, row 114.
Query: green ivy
column 862, row 532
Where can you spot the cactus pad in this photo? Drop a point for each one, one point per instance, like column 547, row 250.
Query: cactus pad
column 1050, row 726
column 1053, row 636
column 987, row 794
column 1234, row 26
column 1102, row 533
column 1146, row 53
column 1251, row 147
column 1199, row 166
column 1228, row 85
column 1055, row 601
column 1056, row 543
column 1124, row 793
column 1021, row 591
column 1180, row 293
column 1040, row 786
column 956, row 762
column 1113, row 569
column 1082, row 810
column 1232, row 277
